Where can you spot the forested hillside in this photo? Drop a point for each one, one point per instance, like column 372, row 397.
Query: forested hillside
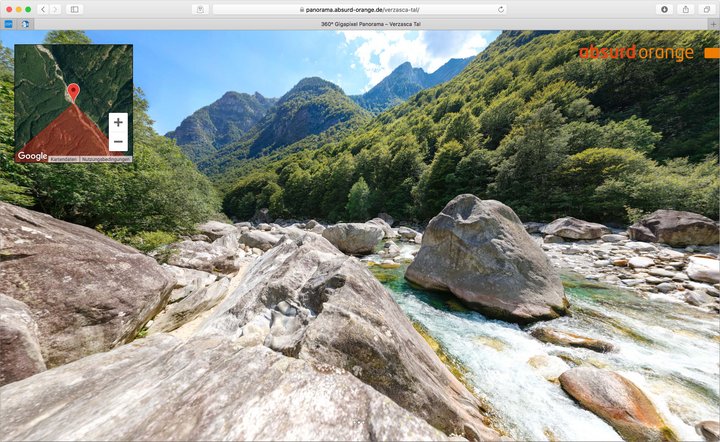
column 222, row 122
column 144, row 203
column 311, row 107
column 529, row 123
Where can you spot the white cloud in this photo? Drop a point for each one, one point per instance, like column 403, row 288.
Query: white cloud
column 379, row 52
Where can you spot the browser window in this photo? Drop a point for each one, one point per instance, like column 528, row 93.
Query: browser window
column 359, row 221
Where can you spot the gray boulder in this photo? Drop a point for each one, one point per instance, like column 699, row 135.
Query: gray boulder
column 480, row 252
column 259, row 239
column 354, row 238
column 19, row 346
column 86, row 292
column 387, row 218
column 407, row 233
column 161, row 388
column 533, row 227
column 617, row 400
column 307, row 300
column 215, row 229
column 203, row 256
column 387, row 230
column 573, row 228
column 676, row 228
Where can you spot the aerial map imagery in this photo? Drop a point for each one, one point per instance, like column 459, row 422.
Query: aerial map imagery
column 73, row 103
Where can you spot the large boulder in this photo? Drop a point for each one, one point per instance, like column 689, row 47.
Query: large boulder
column 19, row 345
column 259, row 239
column 354, row 238
column 480, row 252
column 573, row 228
column 704, row 269
column 617, row 400
column 676, row 228
column 161, row 388
column 387, row 230
column 200, row 255
column 307, row 300
column 216, row 229
column 86, row 292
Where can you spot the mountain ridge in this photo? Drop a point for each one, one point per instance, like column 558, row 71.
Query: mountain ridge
column 405, row 81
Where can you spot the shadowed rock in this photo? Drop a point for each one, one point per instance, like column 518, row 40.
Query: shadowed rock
column 19, row 344
column 86, row 292
column 676, row 228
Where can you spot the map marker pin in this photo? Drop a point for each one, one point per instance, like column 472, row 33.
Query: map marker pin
column 73, row 89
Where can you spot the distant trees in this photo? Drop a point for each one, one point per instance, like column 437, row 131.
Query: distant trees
column 532, row 125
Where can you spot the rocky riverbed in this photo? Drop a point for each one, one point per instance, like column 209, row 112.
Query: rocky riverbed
column 273, row 314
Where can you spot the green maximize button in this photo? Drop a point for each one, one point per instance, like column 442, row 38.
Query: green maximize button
column 28, row 9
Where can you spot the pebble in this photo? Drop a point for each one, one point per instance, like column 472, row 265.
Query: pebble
column 661, row 273
column 640, row 246
column 654, row 280
column 632, row 282
column 640, row 262
column 665, row 287
column 620, row 262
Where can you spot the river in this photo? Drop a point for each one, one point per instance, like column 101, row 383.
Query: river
column 670, row 350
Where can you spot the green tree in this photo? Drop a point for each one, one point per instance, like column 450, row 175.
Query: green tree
column 67, row 37
column 358, row 204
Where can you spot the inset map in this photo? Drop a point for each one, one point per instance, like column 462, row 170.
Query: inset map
column 73, row 103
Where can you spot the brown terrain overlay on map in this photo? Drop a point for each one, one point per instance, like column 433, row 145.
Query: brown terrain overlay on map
column 72, row 133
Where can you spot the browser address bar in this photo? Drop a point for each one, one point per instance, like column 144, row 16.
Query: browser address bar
column 416, row 9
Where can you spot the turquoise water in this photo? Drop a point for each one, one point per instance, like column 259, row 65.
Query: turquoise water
column 670, row 350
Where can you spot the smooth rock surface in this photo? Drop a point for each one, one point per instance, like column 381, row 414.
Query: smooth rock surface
column 203, row 256
column 190, row 307
column 86, row 292
column 676, row 228
column 709, row 430
column 216, row 229
column 387, row 230
column 640, row 262
column 573, row 228
column 184, row 276
column 19, row 345
column 480, row 252
column 549, row 367
column 557, row 337
column 161, row 388
column 617, row 400
column 307, row 300
column 259, row 240
column 354, row 238
column 705, row 269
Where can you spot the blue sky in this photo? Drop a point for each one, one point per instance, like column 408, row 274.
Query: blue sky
column 182, row 71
